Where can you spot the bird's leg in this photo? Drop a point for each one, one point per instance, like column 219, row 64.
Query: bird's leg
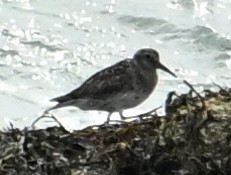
column 116, row 121
column 108, row 118
column 122, row 116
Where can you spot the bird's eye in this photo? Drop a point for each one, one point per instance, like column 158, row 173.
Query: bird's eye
column 148, row 56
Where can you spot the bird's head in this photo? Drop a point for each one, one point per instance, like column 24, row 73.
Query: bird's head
column 148, row 59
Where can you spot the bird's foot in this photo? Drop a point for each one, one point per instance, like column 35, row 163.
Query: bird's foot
column 113, row 122
column 106, row 122
column 125, row 118
column 141, row 116
column 117, row 121
column 46, row 114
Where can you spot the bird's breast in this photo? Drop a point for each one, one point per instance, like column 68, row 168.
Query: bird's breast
column 146, row 81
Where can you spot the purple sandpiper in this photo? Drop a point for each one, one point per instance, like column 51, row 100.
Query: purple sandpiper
column 121, row 86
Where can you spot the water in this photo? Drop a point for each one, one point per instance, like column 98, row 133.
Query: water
column 48, row 48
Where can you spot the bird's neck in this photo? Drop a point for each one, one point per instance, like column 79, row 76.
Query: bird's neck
column 148, row 71
column 149, row 77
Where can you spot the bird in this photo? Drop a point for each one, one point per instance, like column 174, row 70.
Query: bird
column 124, row 85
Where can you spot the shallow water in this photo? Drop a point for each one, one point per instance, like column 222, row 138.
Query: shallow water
column 48, row 48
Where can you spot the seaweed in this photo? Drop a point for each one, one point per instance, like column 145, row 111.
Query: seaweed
column 193, row 138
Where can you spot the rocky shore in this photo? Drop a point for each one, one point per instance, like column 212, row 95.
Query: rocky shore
column 194, row 138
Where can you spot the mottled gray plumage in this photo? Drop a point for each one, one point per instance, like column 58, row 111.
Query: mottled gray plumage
column 123, row 85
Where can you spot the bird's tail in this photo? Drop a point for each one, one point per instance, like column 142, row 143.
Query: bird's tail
column 61, row 103
column 62, row 99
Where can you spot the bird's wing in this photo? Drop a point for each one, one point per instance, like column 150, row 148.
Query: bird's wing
column 108, row 81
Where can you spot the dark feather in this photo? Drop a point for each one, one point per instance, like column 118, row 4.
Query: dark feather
column 106, row 82
column 62, row 98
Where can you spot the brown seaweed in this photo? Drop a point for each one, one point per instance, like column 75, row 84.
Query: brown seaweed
column 194, row 138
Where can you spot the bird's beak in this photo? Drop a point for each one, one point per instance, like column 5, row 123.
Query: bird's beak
column 161, row 66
